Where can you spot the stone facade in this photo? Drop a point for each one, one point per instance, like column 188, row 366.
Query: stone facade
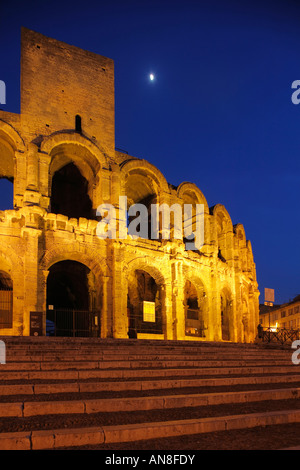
column 60, row 153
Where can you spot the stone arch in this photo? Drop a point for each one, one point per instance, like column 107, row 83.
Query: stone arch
column 146, row 171
column 81, row 275
column 196, row 306
column 240, row 233
column 10, row 142
column 74, row 161
column 224, row 232
column 89, row 257
column 142, row 183
column 73, row 173
column 146, row 263
column 58, row 138
column 145, row 290
column 10, row 266
column 71, row 192
column 12, row 135
column 190, row 195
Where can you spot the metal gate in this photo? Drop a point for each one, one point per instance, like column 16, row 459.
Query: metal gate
column 194, row 324
column 73, row 323
column 6, row 310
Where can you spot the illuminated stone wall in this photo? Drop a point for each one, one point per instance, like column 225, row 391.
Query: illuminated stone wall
column 210, row 294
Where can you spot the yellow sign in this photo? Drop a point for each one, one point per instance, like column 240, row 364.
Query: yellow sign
column 149, row 311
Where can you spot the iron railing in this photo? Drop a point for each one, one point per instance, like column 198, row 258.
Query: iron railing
column 279, row 335
column 136, row 324
column 73, row 323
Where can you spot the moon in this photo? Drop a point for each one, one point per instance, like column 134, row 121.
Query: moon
column 151, row 76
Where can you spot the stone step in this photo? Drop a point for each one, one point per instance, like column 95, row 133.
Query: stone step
column 65, row 365
column 140, row 385
column 83, row 372
column 58, row 388
column 92, row 356
column 95, row 344
column 60, row 438
column 26, row 409
column 129, row 366
column 140, row 348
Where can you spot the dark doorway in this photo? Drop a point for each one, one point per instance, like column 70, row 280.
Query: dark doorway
column 68, row 301
column 194, row 315
column 144, row 305
column 69, row 194
column 6, row 300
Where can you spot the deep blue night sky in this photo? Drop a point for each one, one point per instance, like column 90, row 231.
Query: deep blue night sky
column 218, row 114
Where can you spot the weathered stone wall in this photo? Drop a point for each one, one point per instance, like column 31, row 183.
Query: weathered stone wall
column 58, row 82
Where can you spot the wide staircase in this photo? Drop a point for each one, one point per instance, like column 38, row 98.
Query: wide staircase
column 80, row 393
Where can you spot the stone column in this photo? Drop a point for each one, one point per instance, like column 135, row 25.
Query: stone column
column 177, row 300
column 19, row 179
column 32, row 195
column 119, row 292
column 45, row 183
column 32, row 298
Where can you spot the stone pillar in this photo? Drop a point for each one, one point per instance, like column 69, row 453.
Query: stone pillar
column 169, row 317
column 119, row 292
column 215, row 327
column 178, row 316
column 44, row 180
column 32, row 297
column 19, row 179
column 32, row 195
column 106, row 326
column 43, row 296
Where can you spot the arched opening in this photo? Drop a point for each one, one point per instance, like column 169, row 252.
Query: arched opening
column 194, row 208
column 70, row 300
column 226, row 314
column 221, row 234
column 190, row 220
column 224, row 233
column 140, row 190
column 69, row 193
column 6, row 194
column 195, row 310
column 144, row 304
column 6, row 172
column 6, row 300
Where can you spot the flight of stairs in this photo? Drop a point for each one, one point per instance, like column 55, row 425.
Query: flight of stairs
column 87, row 393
